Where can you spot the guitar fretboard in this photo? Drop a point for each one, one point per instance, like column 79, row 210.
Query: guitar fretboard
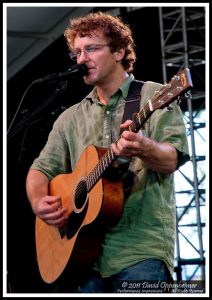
column 99, row 169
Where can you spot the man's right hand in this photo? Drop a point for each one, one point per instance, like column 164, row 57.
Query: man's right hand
column 50, row 210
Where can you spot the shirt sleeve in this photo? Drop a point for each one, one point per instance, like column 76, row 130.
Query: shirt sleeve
column 54, row 158
column 167, row 126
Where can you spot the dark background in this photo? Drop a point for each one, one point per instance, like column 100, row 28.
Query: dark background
column 26, row 143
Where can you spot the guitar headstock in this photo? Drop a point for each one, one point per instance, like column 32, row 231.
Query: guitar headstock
column 178, row 85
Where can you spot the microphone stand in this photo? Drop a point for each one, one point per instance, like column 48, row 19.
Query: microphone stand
column 60, row 89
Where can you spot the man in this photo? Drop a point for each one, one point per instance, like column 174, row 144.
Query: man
column 141, row 246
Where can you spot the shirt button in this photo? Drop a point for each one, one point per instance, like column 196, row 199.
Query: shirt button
column 107, row 112
column 107, row 136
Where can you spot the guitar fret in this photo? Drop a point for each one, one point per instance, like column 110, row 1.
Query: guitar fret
column 133, row 127
column 88, row 183
column 144, row 113
column 104, row 162
column 98, row 170
column 150, row 105
column 91, row 178
column 110, row 155
column 101, row 167
column 138, row 115
column 107, row 159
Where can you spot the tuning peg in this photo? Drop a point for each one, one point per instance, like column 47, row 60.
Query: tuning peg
column 176, row 77
column 188, row 94
column 167, row 85
column 179, row 100
column 169, row 108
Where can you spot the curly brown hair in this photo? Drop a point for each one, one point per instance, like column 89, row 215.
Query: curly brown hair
column 119, row 35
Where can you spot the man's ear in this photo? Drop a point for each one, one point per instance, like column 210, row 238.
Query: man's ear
column 119, row 54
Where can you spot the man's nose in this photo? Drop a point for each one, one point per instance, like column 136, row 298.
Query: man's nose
column 82, row 58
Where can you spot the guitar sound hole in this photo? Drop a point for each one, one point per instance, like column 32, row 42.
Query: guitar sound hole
column 80, row 194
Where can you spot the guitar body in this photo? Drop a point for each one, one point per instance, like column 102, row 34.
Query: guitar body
column 90, row 213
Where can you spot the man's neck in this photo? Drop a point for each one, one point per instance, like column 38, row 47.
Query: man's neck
column 105, row 91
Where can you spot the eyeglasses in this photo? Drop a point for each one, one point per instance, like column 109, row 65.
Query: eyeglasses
column 88, row 50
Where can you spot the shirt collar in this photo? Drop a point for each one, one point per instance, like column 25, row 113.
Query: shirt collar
column 124, row 88
column 126, row 85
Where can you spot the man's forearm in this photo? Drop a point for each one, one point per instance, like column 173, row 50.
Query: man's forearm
column 36, row 185
column 160, row 157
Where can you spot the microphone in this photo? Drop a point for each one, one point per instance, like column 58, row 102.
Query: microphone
column 77, row 71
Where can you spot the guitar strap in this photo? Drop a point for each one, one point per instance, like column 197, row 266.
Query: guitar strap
column 132, row 101
column 132, row 105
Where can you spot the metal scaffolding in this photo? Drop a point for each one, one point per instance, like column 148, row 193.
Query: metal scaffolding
column 182, row 31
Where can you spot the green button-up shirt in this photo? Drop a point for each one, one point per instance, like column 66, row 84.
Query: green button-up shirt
column 147, row 225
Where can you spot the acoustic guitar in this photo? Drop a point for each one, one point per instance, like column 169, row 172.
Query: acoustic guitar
column 93, row 195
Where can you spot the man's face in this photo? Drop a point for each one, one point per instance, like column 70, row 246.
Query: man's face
column 100, row 61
